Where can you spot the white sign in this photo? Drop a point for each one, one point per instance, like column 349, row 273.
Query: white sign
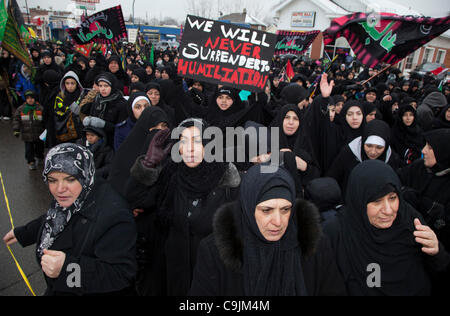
column 303, row 19
column 132, row 35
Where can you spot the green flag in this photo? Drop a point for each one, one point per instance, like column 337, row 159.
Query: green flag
column 18, row 17
column 3, row 19
column 152, row 56
column 13, row 42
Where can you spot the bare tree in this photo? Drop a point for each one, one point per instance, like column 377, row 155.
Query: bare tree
column 202, row 8
column 214, row 9
column 169, row 21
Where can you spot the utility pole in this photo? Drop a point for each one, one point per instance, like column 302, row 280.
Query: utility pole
column 28, row 12
column 133, row 12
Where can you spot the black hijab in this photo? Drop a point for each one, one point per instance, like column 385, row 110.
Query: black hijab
column 135, row 144
column 349, row 133
column 405, row 137
column 131, row 101
column 122, row 78
column 198, row 182
column 232, row 116
column 361, row 244
column 269, row 268
column 439, row 140
column 293, row 94
column 162, row 101
column 441, row 121
column 287, row 141
column 181, row 183
column 381, row 129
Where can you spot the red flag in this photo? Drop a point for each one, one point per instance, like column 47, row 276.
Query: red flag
column 84, row 50
column 290, row 70
column 438, row 71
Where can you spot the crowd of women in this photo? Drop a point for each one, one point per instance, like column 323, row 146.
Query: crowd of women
column 363, row 178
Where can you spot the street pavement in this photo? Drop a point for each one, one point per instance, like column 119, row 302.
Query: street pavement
column 28, row 199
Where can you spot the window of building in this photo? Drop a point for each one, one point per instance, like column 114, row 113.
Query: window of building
column 440, row 58
column 409, row 61
column 428, row 55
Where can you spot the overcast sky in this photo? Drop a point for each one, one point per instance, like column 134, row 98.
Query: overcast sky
column 178, row 8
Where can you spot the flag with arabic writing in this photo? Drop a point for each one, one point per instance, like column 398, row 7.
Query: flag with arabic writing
column 104, row 27
column 294, row 42
column 385, row 37
column 12, row 39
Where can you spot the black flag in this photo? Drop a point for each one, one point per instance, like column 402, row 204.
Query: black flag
column 385, row 37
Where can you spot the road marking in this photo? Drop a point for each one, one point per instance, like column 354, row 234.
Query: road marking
column 24, row 277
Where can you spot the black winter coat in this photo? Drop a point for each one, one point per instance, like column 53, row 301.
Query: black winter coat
column 429, row 192
column 103, row 157
column 112, row 112
column 191, row 222
column 101, row 239
column 218, row 271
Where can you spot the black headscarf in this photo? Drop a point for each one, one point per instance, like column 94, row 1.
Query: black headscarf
column 162, row 101
column 348, row 133
column 441, row 121
column 122, row 78
column 293, row 94
column 269, row 268
column 361, row 244
column 74, row 160
column 135, row 144
column 407, row 137
column 381, row 129
column 369, row 107
column 439, row 140
column 198, row 182
column 141, row 74
column 285, row 140
column 131, row 101
column 230, row 117
column 181, row 183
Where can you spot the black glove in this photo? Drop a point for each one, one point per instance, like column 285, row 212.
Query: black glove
column 156, row 151
column 433, row 212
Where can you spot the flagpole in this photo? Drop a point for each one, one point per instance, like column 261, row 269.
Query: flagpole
column 376, row 75
column 315, row 84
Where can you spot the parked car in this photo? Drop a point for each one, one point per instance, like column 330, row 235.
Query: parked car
column 424, row 68
column 163, row 45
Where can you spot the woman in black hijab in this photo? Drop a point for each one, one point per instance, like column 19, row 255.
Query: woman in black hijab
column 226, row 109
column 137, row 103
column 156, row 97
column 108, row 108
column 380, row 241
column 293, row 138
column 187, row 190
column 443, row 119
column 87, row 225
column 136, row 143
column 48, row 64
column 428, row 183
column 374, row 144
column 406, row 135
column 352, row 125
column 266, row 244
column 114, row 66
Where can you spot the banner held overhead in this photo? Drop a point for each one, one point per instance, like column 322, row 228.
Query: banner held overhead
column 228, row 54
column 104, row 27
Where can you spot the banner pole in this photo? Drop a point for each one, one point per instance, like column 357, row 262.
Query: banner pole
column 374, row 76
